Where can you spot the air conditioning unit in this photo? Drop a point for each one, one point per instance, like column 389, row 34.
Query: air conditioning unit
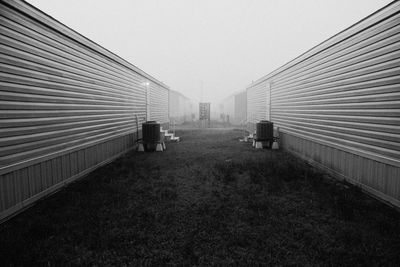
column 265, row 131
column 151, row 132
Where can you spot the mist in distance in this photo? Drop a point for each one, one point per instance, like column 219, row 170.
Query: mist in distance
column 208, row 49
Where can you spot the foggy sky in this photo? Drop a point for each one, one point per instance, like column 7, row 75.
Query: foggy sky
column 222, row 44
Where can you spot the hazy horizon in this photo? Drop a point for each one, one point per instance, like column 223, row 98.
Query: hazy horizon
column 220, row 46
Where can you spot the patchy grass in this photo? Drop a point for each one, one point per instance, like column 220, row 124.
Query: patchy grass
column 209, row 200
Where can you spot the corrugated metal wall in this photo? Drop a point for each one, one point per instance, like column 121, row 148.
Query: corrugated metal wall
column 159, row 105
column 258, row 98
column 67, row 105
column 343, row 97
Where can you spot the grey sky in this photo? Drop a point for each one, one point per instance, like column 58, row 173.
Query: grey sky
column 224, row 43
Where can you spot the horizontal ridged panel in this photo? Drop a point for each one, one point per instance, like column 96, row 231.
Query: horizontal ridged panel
column 258, row 102
column 375, row 177
column 61, row 92
column 23, row 186
column 344, row 92
column 159, row 105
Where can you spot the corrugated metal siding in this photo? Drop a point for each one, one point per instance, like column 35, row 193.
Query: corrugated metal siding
column 348, row 94
column 57, row 93
column 377, row 178
column 159, row 106
column 343, row 94
column 258, row 99
column 24, row 186
column 61, row 94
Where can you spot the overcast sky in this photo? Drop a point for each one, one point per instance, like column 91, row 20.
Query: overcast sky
column 222, row 44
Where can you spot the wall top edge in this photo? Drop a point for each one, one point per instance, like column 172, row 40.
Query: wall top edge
column 47, row 20
column 381, row 14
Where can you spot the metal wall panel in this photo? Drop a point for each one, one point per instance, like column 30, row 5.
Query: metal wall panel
column 59, row 91
column 343, row 95
column 61, row 96
column 258, row 99
column 159, row 106
column 22, row 187
column 377, row 178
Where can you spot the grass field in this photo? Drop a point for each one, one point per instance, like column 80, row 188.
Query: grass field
column 208, row 200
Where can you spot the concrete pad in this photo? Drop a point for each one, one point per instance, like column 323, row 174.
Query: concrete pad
column 275, row 145
column 259, row 144
column 159, row 147
column 140, row 148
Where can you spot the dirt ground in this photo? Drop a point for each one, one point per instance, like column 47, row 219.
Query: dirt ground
column 208, row 200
